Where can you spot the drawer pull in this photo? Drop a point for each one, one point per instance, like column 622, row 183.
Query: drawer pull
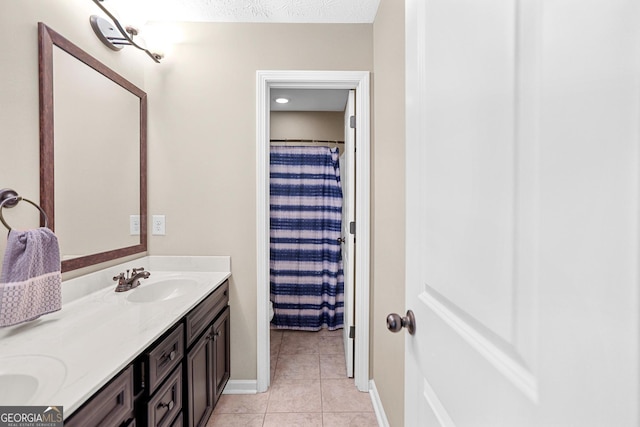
column 213, row 336
column 170, row 356
column 169, row 405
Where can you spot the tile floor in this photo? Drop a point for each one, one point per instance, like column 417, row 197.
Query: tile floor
column 309, row 387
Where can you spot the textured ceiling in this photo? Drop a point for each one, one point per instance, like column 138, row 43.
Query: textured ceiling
column 301, row 11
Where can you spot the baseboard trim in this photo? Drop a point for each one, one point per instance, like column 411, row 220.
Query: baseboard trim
column 241, row 387
column 377, row 405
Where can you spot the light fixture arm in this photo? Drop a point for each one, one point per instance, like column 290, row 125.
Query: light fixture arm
column 155, row 56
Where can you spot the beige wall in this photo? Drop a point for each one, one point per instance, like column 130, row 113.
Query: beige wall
column 202, row 143
column 388, row 219
column 325, row 125
column 308, row 125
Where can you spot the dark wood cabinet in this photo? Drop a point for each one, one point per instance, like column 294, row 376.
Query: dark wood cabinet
column 110, row 407
column 221, row 353
column 200, row 397
column 207, row 361
column 178, row 421
column 162, row 359
column 165, row 405
column 159, row 370
column 201, row 317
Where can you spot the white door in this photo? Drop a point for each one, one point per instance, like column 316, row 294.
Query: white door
column 522, row 212
column 347, row 175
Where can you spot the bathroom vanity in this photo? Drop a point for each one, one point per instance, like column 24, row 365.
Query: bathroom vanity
column 157, row 355
column 176, row 381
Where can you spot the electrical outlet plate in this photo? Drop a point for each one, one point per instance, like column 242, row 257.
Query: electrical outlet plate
column 134, row 225
column 158, row 225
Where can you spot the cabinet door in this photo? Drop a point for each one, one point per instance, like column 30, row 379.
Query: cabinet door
column 199, row 385
column 221, row 359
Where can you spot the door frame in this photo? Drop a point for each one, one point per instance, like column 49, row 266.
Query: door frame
column 360, row 81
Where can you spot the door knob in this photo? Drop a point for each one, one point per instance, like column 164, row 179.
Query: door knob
column 395, row 323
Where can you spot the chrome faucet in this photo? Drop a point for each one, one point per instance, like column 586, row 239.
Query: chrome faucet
column 126, row 282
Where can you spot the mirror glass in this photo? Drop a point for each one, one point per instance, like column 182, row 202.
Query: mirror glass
column 93, row 161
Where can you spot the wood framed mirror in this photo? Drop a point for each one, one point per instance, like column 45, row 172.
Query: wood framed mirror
column 93, row 154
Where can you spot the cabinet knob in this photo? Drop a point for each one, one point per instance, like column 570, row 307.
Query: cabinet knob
column 170, row 356
column 169, row 405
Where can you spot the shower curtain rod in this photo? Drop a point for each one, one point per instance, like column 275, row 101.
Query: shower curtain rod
column 321, row 141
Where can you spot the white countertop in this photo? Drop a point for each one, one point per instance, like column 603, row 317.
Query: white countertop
column 99, row 332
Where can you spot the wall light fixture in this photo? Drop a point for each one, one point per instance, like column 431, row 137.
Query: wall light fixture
column 115, row 36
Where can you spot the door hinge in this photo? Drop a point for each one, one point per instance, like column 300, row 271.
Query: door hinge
column 352, row 332
column 352, row 227
column 352, row 122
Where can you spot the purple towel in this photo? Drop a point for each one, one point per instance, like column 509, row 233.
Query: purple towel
column 31, row 283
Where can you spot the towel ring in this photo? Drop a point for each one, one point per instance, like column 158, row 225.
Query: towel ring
column 9, row 198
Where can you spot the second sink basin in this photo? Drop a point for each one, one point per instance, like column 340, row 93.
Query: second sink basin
column 30, row 379
column 162, row 289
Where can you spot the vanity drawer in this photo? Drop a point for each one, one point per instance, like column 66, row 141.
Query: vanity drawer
column 201, row 317
column 164, row 356
column 163, row 407
column 111, row 406
column 178, row 422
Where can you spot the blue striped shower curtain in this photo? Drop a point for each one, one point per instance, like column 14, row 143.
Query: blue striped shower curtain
column 307, row 283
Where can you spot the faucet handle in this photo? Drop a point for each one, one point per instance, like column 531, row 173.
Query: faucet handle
column 137, row 270
column 118, row 277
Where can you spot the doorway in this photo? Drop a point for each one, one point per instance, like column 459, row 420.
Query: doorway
column 358, row 81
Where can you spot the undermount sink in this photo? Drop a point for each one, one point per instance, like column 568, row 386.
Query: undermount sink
column 30, row 379
column 162, row 289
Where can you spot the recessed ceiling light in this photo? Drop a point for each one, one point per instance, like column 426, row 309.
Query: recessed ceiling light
column 282, row 100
